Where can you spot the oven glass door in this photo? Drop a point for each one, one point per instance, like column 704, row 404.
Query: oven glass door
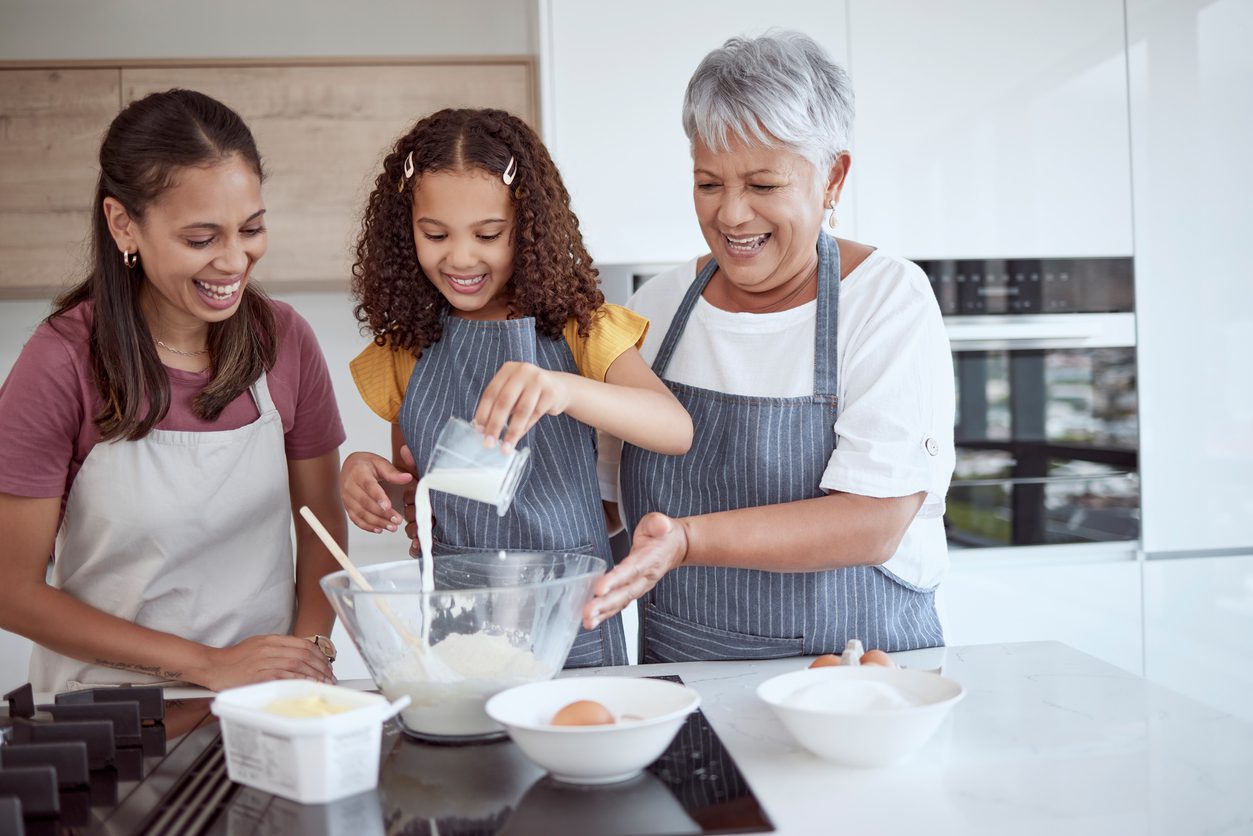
column 1046, row 447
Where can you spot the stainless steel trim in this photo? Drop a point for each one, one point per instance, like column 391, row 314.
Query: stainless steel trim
column 1038, row 480
column 1191, row 554
column 1043, row 331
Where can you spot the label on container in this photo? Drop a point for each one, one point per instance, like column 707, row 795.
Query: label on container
column 260, row 757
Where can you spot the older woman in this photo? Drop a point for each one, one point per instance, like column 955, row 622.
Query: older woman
column 818, row 375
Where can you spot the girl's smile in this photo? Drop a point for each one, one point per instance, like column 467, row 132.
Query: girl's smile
column 463, row 232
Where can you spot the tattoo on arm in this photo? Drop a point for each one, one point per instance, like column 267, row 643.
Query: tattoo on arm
column 150, row 670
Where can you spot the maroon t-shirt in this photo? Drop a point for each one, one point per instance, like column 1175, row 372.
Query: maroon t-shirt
column 49, row 398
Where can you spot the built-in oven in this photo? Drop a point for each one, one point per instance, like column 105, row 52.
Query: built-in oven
column 1046, row 427
column 1044, row 354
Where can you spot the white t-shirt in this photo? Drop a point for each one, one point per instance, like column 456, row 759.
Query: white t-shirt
column 894, row 431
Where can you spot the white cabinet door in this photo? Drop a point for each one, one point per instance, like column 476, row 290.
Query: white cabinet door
column 991, row 129
column 1191, row 74
column 1094, row 607
column 1198, row 629
column 613, row 81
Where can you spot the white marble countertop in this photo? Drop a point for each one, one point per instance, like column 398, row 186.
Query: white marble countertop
column 1048, row 740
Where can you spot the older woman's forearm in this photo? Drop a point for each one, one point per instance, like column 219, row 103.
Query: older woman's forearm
column 808, row 535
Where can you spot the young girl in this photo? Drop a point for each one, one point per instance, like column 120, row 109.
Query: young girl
column 473, row 278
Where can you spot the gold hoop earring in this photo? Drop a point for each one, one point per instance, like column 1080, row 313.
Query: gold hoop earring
column 130, row 259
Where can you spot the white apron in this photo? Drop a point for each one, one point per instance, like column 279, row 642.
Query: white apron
column 184, row 532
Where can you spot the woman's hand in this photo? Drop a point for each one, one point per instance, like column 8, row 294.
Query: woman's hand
column 361, row 486
column 519, row 395
column 659, row 545
column 261, row 659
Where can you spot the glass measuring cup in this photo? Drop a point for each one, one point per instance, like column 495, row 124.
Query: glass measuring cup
column 462, row 464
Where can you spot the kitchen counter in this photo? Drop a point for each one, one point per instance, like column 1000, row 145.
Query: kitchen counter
column 1047, row 740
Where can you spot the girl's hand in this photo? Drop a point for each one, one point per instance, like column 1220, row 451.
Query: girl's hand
column 659, row 545
column 361, row 487
column 410, row 498
column 261, row 659
column 520, row 394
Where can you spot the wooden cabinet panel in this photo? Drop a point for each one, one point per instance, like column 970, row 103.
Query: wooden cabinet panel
column 322, row 127
column 51, row 124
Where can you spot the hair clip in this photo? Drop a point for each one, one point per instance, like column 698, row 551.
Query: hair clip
column 400, row 187
column 511, row 171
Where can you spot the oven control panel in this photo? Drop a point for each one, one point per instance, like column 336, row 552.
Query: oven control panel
column 1029, row 286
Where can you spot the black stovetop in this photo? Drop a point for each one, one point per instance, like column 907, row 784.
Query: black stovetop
column 694, row 787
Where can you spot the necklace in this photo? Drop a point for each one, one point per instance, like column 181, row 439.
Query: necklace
column 172, row 350
column 792, row 294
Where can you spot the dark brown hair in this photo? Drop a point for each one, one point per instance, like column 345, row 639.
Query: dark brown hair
column 553, row 278
column 144, row 149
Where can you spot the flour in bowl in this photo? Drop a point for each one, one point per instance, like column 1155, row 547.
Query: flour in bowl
column 481, row 666
column 849, row 697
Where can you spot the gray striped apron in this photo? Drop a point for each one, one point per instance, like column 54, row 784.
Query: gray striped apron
column 557, row 506
column 751, row 451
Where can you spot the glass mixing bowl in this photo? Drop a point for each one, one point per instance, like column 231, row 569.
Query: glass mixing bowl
column 493, row 621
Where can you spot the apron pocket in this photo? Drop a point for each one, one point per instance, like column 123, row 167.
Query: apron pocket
column 588, row 649
column 668, row 638
column 921, row 590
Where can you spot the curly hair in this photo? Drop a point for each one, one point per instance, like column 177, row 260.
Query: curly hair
column 553, row 277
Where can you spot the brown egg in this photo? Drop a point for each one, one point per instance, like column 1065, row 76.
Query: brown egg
column 877, row 657
column 583, row 713
column 825, row 661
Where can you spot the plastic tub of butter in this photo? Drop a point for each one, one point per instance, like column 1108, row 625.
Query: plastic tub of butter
column 302, row 740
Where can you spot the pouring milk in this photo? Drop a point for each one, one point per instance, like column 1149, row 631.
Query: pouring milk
column 450, row 685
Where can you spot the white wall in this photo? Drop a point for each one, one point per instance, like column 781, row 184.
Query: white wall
column 79, row 29
column 613, row 81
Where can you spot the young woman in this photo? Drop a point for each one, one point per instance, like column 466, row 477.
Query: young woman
column 160, row 425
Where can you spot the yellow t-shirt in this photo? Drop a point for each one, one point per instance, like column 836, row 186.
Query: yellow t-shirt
column 382, row 375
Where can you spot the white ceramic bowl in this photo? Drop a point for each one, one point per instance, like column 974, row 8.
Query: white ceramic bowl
column 848, row 715
column 594, row 754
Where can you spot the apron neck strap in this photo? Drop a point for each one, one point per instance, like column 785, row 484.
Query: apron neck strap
column 679, row 323
column 260, row 391
column 825, row 328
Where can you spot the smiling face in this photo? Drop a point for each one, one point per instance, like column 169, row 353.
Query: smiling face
column 198, row 243
column 463, row 230
column 760, row 210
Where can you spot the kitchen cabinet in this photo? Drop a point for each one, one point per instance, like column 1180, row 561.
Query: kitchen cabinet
column 1190, row 68
column 613, row 82
column 991, row 129
column 52, row 122
column 1198, row 629
column 321, row 125
column 1086, row 600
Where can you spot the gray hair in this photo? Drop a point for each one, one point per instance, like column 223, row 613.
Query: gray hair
column 779, row 90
